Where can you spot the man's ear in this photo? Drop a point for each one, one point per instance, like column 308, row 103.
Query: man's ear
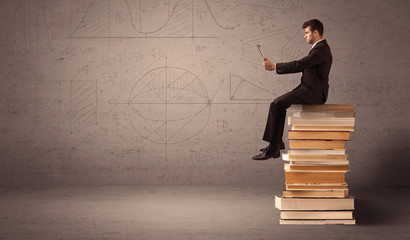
column 316, row 33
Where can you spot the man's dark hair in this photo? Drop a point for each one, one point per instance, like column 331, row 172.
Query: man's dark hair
column 314, row 24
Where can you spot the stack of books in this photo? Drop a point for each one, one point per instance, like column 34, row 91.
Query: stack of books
column 316, row 164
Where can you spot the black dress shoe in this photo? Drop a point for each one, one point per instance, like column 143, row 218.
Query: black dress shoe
column 266, row 155
column 280, row 146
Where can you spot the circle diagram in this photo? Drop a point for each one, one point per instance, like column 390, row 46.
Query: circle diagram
column 168, row 105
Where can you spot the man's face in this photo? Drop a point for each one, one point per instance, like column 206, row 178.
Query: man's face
column 309, row 36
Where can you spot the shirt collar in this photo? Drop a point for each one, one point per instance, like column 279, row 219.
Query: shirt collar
column 316, row 43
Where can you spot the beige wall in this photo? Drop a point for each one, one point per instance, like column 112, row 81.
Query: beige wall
column 174, row 92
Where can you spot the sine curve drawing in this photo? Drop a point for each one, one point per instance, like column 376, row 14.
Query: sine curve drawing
column 97, row 20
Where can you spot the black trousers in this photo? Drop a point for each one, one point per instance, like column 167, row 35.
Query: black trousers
column 277, row 116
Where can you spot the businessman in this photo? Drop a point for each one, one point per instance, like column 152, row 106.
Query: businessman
column 313, row 89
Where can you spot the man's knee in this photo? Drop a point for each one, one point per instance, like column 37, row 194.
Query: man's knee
column 280, row 103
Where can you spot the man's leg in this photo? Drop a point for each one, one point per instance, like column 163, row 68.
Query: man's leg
column 275, row 124
column 277, row 116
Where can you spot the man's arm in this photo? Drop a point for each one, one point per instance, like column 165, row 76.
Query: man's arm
column 315, row 57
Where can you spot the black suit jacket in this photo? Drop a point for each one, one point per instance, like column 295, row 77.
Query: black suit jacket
column 315, row 68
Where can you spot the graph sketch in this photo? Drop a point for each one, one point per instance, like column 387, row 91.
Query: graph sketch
column 139, row 19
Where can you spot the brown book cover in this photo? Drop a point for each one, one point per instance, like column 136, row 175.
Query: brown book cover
column 316, row 144
column 313, row 157
column 319, row 135
column 315, row 177
column 316, row 187
column 316, row 168
column 316, row 193
column 302, row 127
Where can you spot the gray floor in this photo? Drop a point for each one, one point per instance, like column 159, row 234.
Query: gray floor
column 186, row 212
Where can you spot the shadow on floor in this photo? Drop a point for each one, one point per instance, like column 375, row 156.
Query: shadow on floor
column 385, row 205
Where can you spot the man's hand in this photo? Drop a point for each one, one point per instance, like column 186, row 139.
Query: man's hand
column 268, row 65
